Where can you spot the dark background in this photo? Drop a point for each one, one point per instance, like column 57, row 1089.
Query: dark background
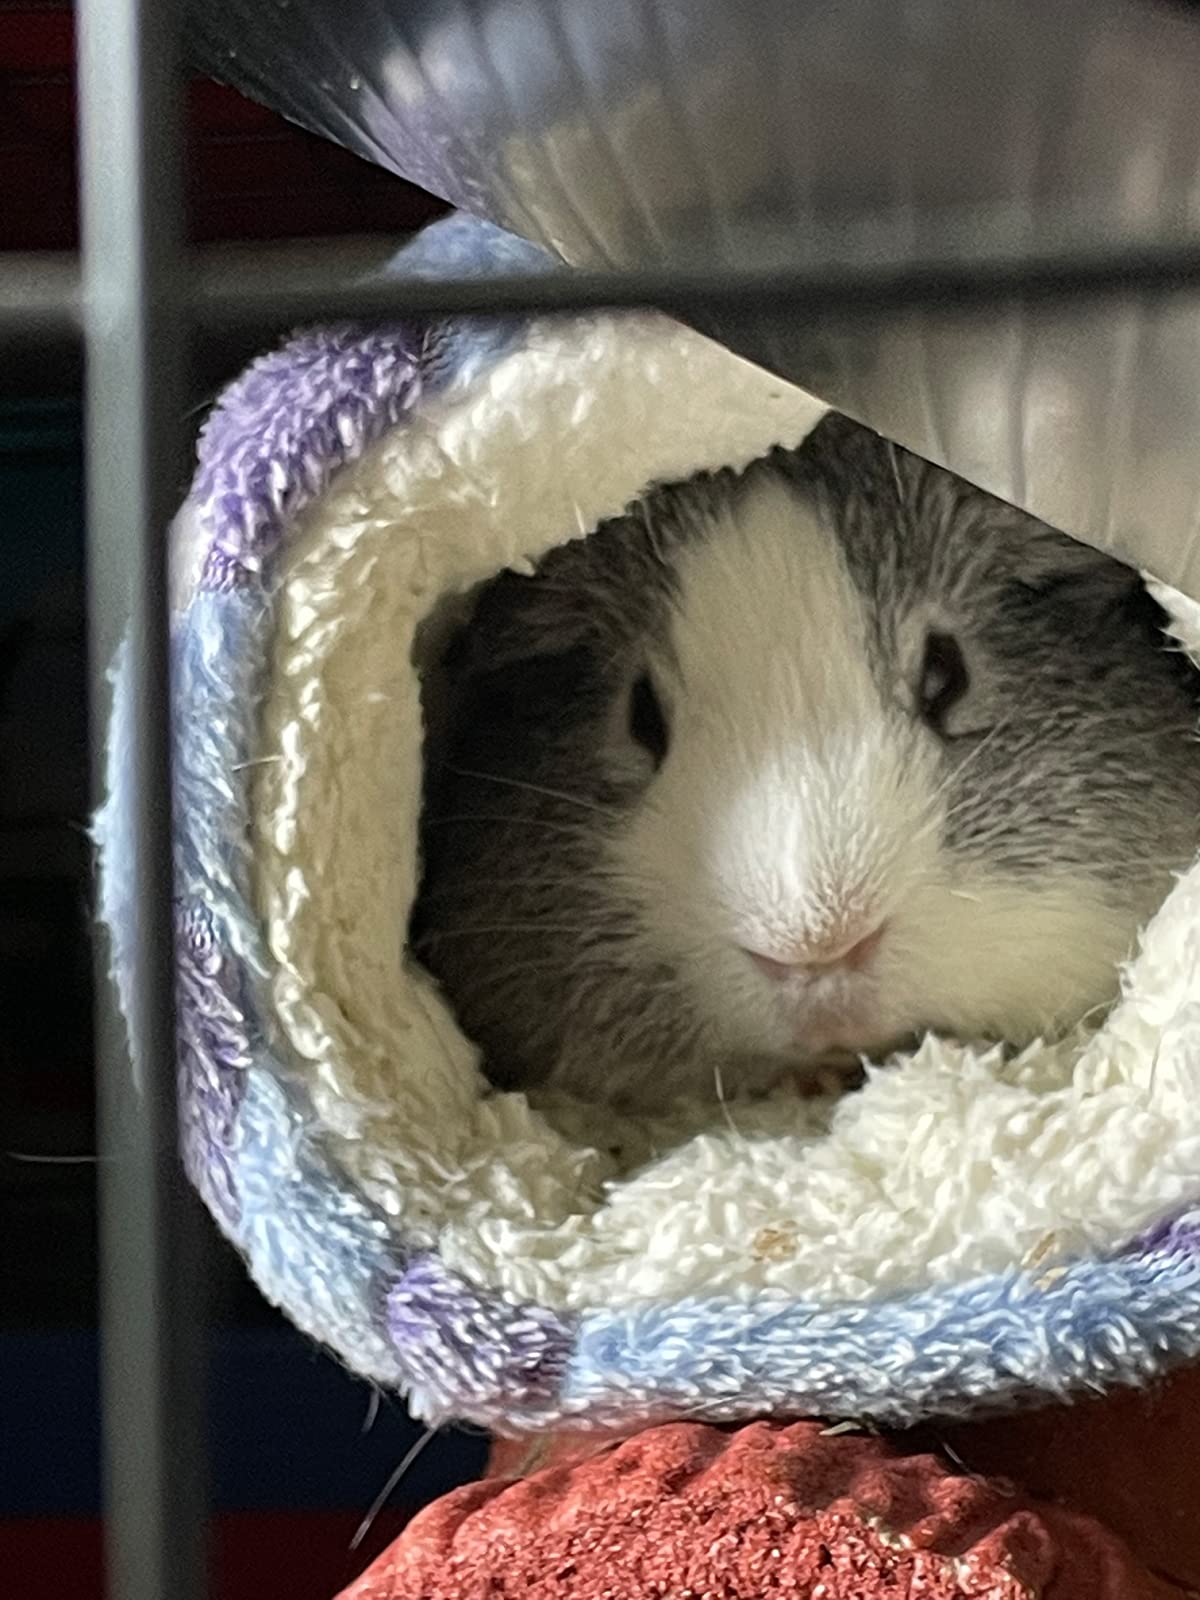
column 299, row 1450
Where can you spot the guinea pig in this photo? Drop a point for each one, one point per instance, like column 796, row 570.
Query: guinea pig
column 794, row 765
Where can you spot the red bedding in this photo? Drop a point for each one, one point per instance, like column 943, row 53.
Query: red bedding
column 687, row 1511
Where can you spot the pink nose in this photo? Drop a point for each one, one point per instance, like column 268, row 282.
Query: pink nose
column 818, row 958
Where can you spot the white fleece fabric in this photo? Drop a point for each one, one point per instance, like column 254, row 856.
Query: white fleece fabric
column 946, row 1164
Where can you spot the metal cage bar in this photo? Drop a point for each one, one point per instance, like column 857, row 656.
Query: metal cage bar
column 153, row 1335
column 41, row 299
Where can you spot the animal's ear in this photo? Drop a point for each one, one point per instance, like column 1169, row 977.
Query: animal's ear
column 1088, row 585
column 517, row 623
column 1098, row 598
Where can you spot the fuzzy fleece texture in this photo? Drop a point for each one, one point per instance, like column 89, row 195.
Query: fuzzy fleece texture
column 961, row 1233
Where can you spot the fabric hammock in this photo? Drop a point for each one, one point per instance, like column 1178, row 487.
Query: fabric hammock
column 518, row 1264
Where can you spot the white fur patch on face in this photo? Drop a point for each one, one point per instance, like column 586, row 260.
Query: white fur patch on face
column 788, row 812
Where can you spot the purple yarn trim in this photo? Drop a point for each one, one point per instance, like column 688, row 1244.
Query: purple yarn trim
column 1175, row 1236
column 222, row 574
column 214, row 1052
column 270, row 446
column 460, row 1343
column 281, row 431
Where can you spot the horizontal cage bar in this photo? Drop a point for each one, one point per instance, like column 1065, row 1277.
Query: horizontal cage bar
column 40, row 297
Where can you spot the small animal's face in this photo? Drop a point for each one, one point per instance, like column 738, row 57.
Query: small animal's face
column 799, row 764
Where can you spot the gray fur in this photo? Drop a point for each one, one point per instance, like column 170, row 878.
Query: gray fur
column 1087, row 763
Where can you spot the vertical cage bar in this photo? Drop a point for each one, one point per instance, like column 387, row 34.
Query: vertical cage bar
column 152, row 1300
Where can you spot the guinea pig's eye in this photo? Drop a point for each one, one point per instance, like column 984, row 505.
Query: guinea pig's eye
column 647, row 721
column 944, row 679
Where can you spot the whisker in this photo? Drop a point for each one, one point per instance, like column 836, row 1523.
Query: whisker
column 34, row 1158
column 936, row 818
column 501, row 820
column 1097, row 1010
column 530, row 788
column 653, row 533
column 611, row 877
column 719, row 1086
column 1159, row 861
column 389, row 1488
column 939, row 819
column 972, row 756
column 895, row 465
column 500, row 977
column 372, row 1410
column 256, row 761
column 442, row 934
